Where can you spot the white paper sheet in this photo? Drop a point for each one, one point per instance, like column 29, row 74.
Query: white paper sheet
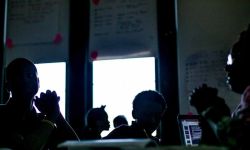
column 32, row 21
column 122, row 29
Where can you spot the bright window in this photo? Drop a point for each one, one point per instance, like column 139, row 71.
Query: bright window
column 52, row 77
column 116, row 82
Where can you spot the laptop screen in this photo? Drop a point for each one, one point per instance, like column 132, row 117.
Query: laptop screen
column 190, row 130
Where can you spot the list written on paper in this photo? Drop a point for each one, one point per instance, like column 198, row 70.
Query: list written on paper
column 115, row 23
column 32, row 21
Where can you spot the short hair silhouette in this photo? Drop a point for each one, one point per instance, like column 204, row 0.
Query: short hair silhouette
column 96, row 121
column 95, row 114
column 148, row 109
column 237, row 70
column 120, row 120
column 148, row 95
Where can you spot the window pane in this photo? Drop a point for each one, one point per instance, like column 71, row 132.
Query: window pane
column 116, row 82
column 52, row 77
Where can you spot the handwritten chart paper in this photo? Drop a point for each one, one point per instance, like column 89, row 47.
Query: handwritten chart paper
column 32, row 21
column 208, row 67
column 122, row 28
column 205, row 67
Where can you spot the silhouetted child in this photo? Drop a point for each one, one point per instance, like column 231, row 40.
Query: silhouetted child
column 212, row 110
column 234, row 132
column 148, row 108
column 96, row 121
column 120, row 120
column 238, row 77
column 21, row 126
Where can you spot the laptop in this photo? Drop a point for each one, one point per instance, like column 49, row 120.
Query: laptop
column 190, row 130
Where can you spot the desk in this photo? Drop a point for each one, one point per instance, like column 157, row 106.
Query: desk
column 126, row 144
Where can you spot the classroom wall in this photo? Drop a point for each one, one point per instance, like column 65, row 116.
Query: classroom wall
column 205, row 32
column 206, row 29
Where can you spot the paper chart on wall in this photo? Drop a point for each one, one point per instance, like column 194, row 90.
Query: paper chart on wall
column 32, row 21
column 205, row 67
column 122, row 28
column 208, row 67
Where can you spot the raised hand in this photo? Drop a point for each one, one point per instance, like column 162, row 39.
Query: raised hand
column 203, row 97
column 48, row 104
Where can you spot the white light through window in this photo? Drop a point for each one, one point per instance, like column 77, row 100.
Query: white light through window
column 116, row 82
column 52, row 77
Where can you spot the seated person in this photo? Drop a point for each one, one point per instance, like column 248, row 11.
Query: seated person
column 96, row 121
column 120, row 120
column 212, row 110
column 236, row 131
column 238, row 75
column 148, row 108
column 21, row 126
